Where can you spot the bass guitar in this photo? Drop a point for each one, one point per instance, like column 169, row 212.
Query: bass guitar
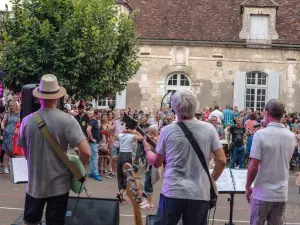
column 133, row 125
column 133, row 193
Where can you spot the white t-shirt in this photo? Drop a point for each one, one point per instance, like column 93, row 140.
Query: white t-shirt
column 217, row 114
column 274, row 147
column 119, row 127
column 184, row 176
column 126, row 142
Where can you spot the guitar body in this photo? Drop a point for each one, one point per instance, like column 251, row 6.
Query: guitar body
column 77, row 186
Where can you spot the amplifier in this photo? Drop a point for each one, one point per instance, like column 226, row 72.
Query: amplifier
column 89, row 211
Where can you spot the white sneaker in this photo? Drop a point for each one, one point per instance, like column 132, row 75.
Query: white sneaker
column 6, row 170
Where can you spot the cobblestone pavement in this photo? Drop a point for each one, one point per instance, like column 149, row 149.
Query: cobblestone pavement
column 12, row 202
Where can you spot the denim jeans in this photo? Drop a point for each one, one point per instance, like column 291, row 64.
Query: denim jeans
column 238, row 151
column 94, row 158
column 171, row 210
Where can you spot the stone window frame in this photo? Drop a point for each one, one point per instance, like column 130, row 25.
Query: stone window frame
column 267, row 11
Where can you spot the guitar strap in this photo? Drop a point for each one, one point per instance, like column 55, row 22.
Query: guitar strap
column 189, row 135
column 58, row 150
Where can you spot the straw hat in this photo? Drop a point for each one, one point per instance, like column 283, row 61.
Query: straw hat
column 49, row 88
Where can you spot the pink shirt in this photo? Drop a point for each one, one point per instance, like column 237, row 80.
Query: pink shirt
column 206, row 115
column 249, row 124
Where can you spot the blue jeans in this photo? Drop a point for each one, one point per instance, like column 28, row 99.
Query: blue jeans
column 170, row 211
column 94, row 158
column 238, row 151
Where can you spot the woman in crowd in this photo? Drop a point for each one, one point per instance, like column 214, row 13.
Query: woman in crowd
column 126, row 139
column 9, row 124
column 104, row 151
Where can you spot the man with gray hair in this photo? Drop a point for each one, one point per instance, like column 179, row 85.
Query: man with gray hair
column 273, row 144
column 186, row 187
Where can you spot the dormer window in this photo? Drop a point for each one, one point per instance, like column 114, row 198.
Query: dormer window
column 259, row 21
column 259, row 27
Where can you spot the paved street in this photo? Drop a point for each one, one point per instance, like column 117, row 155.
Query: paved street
column 12, row 202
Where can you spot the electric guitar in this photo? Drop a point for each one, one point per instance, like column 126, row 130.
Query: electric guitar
column 132, row 191
column 77, row 186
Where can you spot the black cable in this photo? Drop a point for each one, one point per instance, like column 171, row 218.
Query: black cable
column 76, row 204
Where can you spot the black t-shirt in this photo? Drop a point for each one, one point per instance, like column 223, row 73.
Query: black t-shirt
column 83, row 122
column 95, row 130
column 237, row 136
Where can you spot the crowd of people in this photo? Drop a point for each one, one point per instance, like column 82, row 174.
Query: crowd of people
column 104, row 143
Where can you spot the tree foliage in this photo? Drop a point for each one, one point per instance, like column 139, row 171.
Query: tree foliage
column 87, row 44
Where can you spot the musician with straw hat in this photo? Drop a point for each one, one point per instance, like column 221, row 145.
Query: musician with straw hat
column 49, row 180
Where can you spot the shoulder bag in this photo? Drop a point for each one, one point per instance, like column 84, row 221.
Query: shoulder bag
column 71, row 161
column 213, row 187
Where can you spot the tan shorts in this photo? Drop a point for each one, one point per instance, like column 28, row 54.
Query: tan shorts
column 261, row 211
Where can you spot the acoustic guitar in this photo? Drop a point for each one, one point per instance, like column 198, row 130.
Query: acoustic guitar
column 132, row 191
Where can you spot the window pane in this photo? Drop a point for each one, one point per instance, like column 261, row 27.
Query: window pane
column 258, row 91
column 258, row 98
column 252, row 91
column 259, row 75
column 247, row 97
column 263, row 91
column 259, row 81
column 248, row 91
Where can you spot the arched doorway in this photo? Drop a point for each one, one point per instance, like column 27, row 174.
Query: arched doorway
column 176, row 81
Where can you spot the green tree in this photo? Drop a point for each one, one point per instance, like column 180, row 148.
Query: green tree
column 88, row 44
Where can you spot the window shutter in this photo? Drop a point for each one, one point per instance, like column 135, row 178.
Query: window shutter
column 239, row 90
column 273, row 85
column 259, row 27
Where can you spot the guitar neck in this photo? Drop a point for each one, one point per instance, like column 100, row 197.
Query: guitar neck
column 142, row 132
column 137, row 215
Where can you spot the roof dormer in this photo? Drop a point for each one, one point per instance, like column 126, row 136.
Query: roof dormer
column 259, row 21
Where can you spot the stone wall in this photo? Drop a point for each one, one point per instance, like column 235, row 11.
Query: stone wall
column 211, row 72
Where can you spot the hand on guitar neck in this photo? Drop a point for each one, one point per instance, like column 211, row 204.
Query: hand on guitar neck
column 133, row 192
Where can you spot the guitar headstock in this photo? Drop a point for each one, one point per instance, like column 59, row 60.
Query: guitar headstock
column 132, row 188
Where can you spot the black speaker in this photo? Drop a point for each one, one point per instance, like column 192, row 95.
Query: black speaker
column 88, row 211
column 30, row 103
column 150, row 220
column 93, row 211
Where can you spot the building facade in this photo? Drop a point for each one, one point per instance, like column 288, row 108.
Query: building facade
column 240, row 53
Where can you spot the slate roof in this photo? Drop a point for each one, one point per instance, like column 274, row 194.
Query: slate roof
column 209, row 20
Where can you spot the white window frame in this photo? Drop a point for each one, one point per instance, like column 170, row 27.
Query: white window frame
column 178, row 86
column 170, row 88
column 106, row 100
column 256, row 86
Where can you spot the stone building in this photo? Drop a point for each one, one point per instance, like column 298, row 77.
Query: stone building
column 235, row 52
